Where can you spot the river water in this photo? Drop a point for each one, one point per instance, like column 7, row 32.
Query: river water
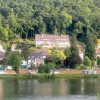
column 54, row 89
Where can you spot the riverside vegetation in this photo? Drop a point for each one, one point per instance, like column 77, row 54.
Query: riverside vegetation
column 48, row 76
column 20, row 21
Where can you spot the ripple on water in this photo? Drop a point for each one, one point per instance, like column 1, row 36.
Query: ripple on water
column 75, row 97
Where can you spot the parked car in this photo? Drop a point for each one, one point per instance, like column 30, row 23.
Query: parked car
column 8, row 68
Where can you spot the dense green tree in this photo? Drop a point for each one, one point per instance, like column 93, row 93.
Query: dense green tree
column 56, row 56
column 87, row 62
column 67, row 52
column 74, row 59
column 46, row 68
column 25, row 18
column 3, row 34
column 50, row 16
column 74, row 48
column 98, row 60
column 27, row 48
column 14, row 59
column 90, row 47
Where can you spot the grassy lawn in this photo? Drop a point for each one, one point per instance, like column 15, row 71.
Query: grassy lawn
column 30, row 76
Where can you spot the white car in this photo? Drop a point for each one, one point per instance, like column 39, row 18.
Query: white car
column 8, row 67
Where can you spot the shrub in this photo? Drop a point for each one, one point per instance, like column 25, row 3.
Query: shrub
column 46, row 68
column 87, row 62
column 98, row 60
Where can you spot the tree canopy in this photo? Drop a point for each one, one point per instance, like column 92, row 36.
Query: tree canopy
column 24, row 18
column 27, row 17
column 14, row 59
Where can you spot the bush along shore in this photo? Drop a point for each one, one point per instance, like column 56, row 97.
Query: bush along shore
column 48, row 76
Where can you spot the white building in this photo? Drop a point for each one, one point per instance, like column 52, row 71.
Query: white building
column 50, row 41
column 81, row 54
column 81, row 49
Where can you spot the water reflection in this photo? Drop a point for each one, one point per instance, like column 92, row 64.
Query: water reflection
column 1, row 90
column 31, row 89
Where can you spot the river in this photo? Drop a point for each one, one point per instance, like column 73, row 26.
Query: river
column 54, row 89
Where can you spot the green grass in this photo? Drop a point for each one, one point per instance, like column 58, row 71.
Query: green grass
column 38, row 76
column 7, row 76
column 77, row 76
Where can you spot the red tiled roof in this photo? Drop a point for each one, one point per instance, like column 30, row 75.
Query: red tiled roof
column 48, row 37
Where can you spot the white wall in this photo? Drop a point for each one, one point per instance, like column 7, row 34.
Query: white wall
column 81, row 54
column 48, row 44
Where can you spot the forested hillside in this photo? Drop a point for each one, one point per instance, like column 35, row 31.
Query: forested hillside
column 20, row 20
column 24, row 18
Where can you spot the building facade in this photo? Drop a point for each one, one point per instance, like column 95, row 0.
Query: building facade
column 52, row 41
column 37, row 58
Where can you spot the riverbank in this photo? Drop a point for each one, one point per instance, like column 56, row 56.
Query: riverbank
column 38, row 76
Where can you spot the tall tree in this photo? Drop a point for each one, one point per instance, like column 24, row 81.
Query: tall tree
column 74, row 48
column 14, row 59
column 3, row 34
column 74, row 60
column 87, row 62
column 90, row 46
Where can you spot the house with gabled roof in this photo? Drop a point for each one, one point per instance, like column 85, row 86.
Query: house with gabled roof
column 37, row 58
column 52, row 41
